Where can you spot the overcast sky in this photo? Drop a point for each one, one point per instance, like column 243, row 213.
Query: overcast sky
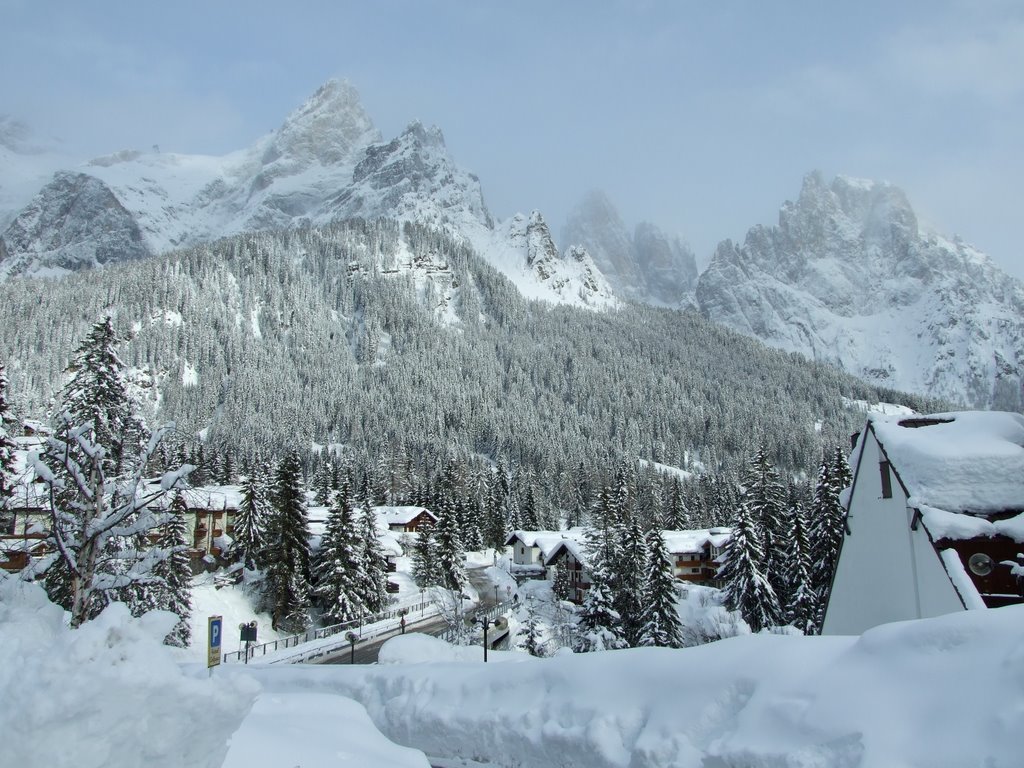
column 702, row 117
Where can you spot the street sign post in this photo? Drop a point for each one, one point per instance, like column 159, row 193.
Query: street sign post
column 214, row 635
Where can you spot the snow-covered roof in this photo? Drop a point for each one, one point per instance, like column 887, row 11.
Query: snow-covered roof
column 957, row 527
column 210, row 497
column 680, row 542
column 401, row 515
column 967, row 461
column 545, row 541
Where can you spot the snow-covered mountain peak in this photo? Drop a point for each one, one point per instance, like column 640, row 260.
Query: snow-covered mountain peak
column 328, row 128
column 848, row 276
column 522, row 248
column 645, row 264
column 326, row 162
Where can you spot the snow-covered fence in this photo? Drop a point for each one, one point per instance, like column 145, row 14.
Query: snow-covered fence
column 359, row 626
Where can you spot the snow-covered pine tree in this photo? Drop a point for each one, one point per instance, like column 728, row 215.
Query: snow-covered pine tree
column 562, row 585
column 287, row 558
column 7, row 447
column 449, row 557
column 660, row 615
column 674, row 515
column 323, row 483
column 173, row 592
column 97, row 391
column 746, row 589
column 802, row 607
column 373, row 590
column 471, row 515
column 827, row 527
column 339, row 572
column 530, row 632
column 496, row 531
column 101, row 511
column 841, row 469
column 528, row 508
column 765, row 497
column 250, row 527
column 424, row 564
column 599, row 627
column 227, row 468
column 629, row 573
column 579, row 506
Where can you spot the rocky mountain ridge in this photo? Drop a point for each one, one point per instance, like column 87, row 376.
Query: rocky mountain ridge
column 644, row 265
column 848, row 276
column 326, row 162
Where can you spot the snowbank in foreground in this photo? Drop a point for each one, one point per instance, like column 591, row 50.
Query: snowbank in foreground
column 314, row 729
column 934, row 693
column 107, row 695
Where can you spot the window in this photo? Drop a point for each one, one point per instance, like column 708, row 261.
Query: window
column 883, row 467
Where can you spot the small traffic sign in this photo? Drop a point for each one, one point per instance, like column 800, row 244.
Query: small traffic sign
column 216, row 625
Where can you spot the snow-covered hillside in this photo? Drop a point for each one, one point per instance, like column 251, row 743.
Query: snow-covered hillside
column 849, row 276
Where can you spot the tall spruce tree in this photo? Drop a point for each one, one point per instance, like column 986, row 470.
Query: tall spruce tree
column 175, row 573
column 373, row 589
column 746, row 588
column 764, row 495
column 802, row 607
column 101, row 512
column 424, row 563
column 250, row 528
column 287, row 557
column 628, row 577
column 530, row 632
column 561, row 585
column 827, row 527
column 449, row 556
column 599, row 627
column 660, row 615
column 7, row 448
column 339, row 568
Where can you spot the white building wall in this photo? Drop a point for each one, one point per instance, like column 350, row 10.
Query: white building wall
column 886, row 571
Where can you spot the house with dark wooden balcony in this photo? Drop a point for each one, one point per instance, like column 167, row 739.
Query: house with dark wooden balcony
column 934, row 520
column 406, row 519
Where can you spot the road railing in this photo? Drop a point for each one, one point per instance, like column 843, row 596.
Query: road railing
column 364, row 628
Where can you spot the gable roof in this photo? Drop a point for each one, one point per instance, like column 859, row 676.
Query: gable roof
column 401, row 515
column 965, row 461
column 545, row 541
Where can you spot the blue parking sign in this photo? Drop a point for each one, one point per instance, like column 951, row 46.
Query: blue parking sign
column 216, row 625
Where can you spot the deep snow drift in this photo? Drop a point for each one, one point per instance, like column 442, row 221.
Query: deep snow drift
column 933, row 693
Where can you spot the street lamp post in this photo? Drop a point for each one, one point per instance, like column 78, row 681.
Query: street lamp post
column 484, row 622
column 495, row 594
column 352, row 639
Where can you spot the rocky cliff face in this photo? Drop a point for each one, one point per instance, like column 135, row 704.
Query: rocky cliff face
column 645, row 265
column 848, row 276
column 74, row 222
column 525, row 250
